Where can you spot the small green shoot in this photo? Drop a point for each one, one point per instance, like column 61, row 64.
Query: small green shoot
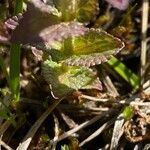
column 128, row 112
column 65, row 147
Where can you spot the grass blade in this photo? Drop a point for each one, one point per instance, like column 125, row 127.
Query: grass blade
column 15, row 59
column 125, row 72
column 15, row 70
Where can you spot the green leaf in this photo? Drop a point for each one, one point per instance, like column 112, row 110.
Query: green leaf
column 125, row 73
column 65, row 79
column 94, row 47
column 80, row 10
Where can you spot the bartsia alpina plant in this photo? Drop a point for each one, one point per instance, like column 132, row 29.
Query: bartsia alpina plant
column 72, row 47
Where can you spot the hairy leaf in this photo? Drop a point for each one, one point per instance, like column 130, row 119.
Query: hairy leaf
column 80, row 10
column 37, row 17
column 50, row 36
column 65, row 79
column 94, row 47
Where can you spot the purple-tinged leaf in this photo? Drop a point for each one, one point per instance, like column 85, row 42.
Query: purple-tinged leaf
column 48, row 37
column 37, row 17
column 7, row 27
column 65, row 79
column 120, row 4
column 13, row 22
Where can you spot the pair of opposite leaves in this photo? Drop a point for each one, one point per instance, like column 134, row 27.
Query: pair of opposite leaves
column 69, row 43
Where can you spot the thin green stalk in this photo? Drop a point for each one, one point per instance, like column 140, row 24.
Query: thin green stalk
column 15, row 59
